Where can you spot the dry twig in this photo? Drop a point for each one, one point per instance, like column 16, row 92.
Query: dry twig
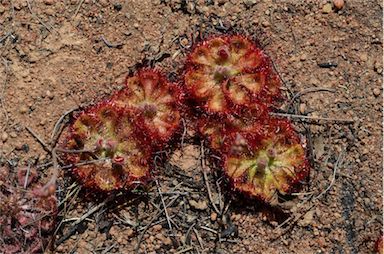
column 335, row 168
column 163, row 203
column 38, row 19
column 6, row 70
column 311, row 90
column 78, row 8
column 205, row 176
column 301, row 117
column 140, row 238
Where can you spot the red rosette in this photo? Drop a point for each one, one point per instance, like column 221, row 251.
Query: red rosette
column 225, row 72
column 106, row 149
column 155, row 101
column 265, row 161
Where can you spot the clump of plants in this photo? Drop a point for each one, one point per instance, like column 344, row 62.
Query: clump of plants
column 230, row 85
column 234, row 85
column 111, row 143
column 27, row 214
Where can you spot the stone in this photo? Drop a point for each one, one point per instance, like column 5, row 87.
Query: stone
column 23, row 109
column 327, row 8
column 302, row 108
column 376, row 92
column 339, row 4
column 4, row 137
column 198, row 205
column 307, row 219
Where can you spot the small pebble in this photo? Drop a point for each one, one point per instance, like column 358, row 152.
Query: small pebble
column 327, row 8
column 50, row 95
column 246, row 242
column 321, row 241
column 157, row 227
column 339, row 4
column 302, row 108
column 117, row 7
column 120, row 239
column 199, row 205
column 249, row 3
column 13, row 134
column 113, row 231
column 129, row 232
column 213, row 216
column 167, row 241
column 49, row 2
column 184, row 42
column 23, row 109
column 265, row 23
column 4, row 137
column 303, row 57
column 363, row 57
column 307, row 219
column 42, row 157
column 378, row 67
column 136, row 25
column 103, row 3
column 376, row 92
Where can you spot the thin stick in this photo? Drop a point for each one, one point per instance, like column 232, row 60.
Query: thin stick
column 163, row 203
column 185, row 250
column 45, row 190
column 78, row 8
column 311, row 90
column 313, row 118
column 107, row 249
column 82, row 163
column 198, row 238
column 284, row 222
column 209, row 229
column 41, row 141
column 92, row 210
column 74, row 151
column 302, row 193
column 55, row 130
column 154, row 223
column 221, row 205
column 26, row 176
column 5, row 36
column 38, row 19
column 137, row 247
column 74, row 193
column 6, row 76
column 109, row 44
column 184, row 132
column 337, row 164
column 205, row 176
column 188, row 233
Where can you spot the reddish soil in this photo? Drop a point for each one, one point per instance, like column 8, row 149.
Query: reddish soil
column 61, row 55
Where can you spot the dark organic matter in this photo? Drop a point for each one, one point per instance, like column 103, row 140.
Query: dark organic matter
column 26, row 216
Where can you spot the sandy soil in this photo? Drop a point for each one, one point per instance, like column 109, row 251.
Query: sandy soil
column 60, row 55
